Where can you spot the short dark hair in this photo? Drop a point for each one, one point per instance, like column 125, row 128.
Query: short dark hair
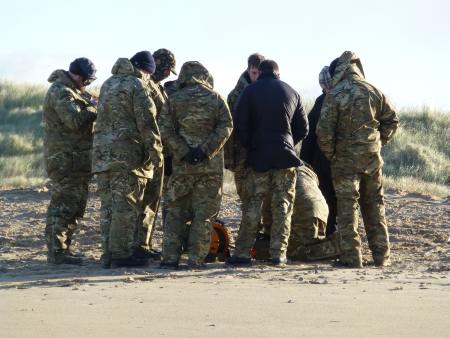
column 255, row 60
column 268, row 66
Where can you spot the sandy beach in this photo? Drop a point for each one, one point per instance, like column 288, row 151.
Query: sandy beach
column 408, row 299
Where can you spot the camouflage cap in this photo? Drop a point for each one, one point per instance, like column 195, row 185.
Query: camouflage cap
column 165, row 59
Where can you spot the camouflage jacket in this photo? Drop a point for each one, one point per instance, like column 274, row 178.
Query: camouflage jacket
column 68, row 117
column 356, row 119
column 235, row 153
column 195, row 116
column 309, row 201
column 170, row 87
column 126, row 136
column 158, row 96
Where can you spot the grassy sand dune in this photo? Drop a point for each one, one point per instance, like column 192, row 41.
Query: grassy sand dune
column 417, row 160
column 420, row 150
column 21, row 162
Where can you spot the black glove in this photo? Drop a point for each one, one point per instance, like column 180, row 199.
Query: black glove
column 190, row 157
column 200, row 155
column 194, row 156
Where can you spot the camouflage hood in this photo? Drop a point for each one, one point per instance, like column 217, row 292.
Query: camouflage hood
column 123, row 66
column 62, row 76
column 192, row 73
column 348, row 64
column 243, row 82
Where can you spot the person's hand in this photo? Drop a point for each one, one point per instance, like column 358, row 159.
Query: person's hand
column 200, row 155
column 190, row 157
column 195, row 156
column 94, row 101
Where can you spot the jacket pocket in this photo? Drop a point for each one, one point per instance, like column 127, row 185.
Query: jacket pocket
column 59, row 165
column 81, row 162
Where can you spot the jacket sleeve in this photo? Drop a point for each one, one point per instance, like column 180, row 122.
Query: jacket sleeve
column 177, row 145
column 388, row 122
column 299, row 124
column 228, row 149
column 221, row 132
column 157, row 97
column 326, row 127
column 242, row 120
column 232, row 99
column 72, row 114
column 309, row 144
column 145, row 114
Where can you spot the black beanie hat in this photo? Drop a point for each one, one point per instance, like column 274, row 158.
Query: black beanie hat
column 144, row 60
column 83, row 67
column 332, row 68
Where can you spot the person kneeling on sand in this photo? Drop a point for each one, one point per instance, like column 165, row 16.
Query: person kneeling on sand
column 307, row 240
column 309, row 220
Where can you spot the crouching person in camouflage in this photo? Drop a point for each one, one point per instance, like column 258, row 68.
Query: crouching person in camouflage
column 195, row 124
column 355, row 121
column 69, row 113
column 127, row 152
column 309, row 220
column 307, row 241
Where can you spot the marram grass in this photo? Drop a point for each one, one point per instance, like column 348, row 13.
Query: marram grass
column 417, row 160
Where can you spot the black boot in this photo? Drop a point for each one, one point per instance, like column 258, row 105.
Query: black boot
column 236, row 261
column 105, row 261
column 279, row 261
column 128, row 262
column 64, row 258
column 168, row 265
column 148, row 254
column 196, row 265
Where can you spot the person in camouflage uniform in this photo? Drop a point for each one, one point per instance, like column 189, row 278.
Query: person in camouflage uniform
column 127, row 151
column 356, row 120
column 235, row 153
column 68, row 116
column 308, row 223
column 165, row 64
column 195, row 124
column 309, row 219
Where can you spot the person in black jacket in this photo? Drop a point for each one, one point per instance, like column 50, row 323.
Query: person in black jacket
column 311, row 153
column 269, row 120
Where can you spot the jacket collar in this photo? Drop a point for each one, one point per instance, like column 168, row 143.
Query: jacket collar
column 267, row 76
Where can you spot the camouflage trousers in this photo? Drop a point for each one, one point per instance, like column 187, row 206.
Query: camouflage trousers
column 121, row 195
column 67, row 204
column 163, row 201
column 310, row 244
column 193, row 199
column 151, row 202
column 243, row 189
column 281, row 184
column 367, row 191
column 304, row 232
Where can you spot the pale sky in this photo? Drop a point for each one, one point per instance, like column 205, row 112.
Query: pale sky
column 404, row 45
